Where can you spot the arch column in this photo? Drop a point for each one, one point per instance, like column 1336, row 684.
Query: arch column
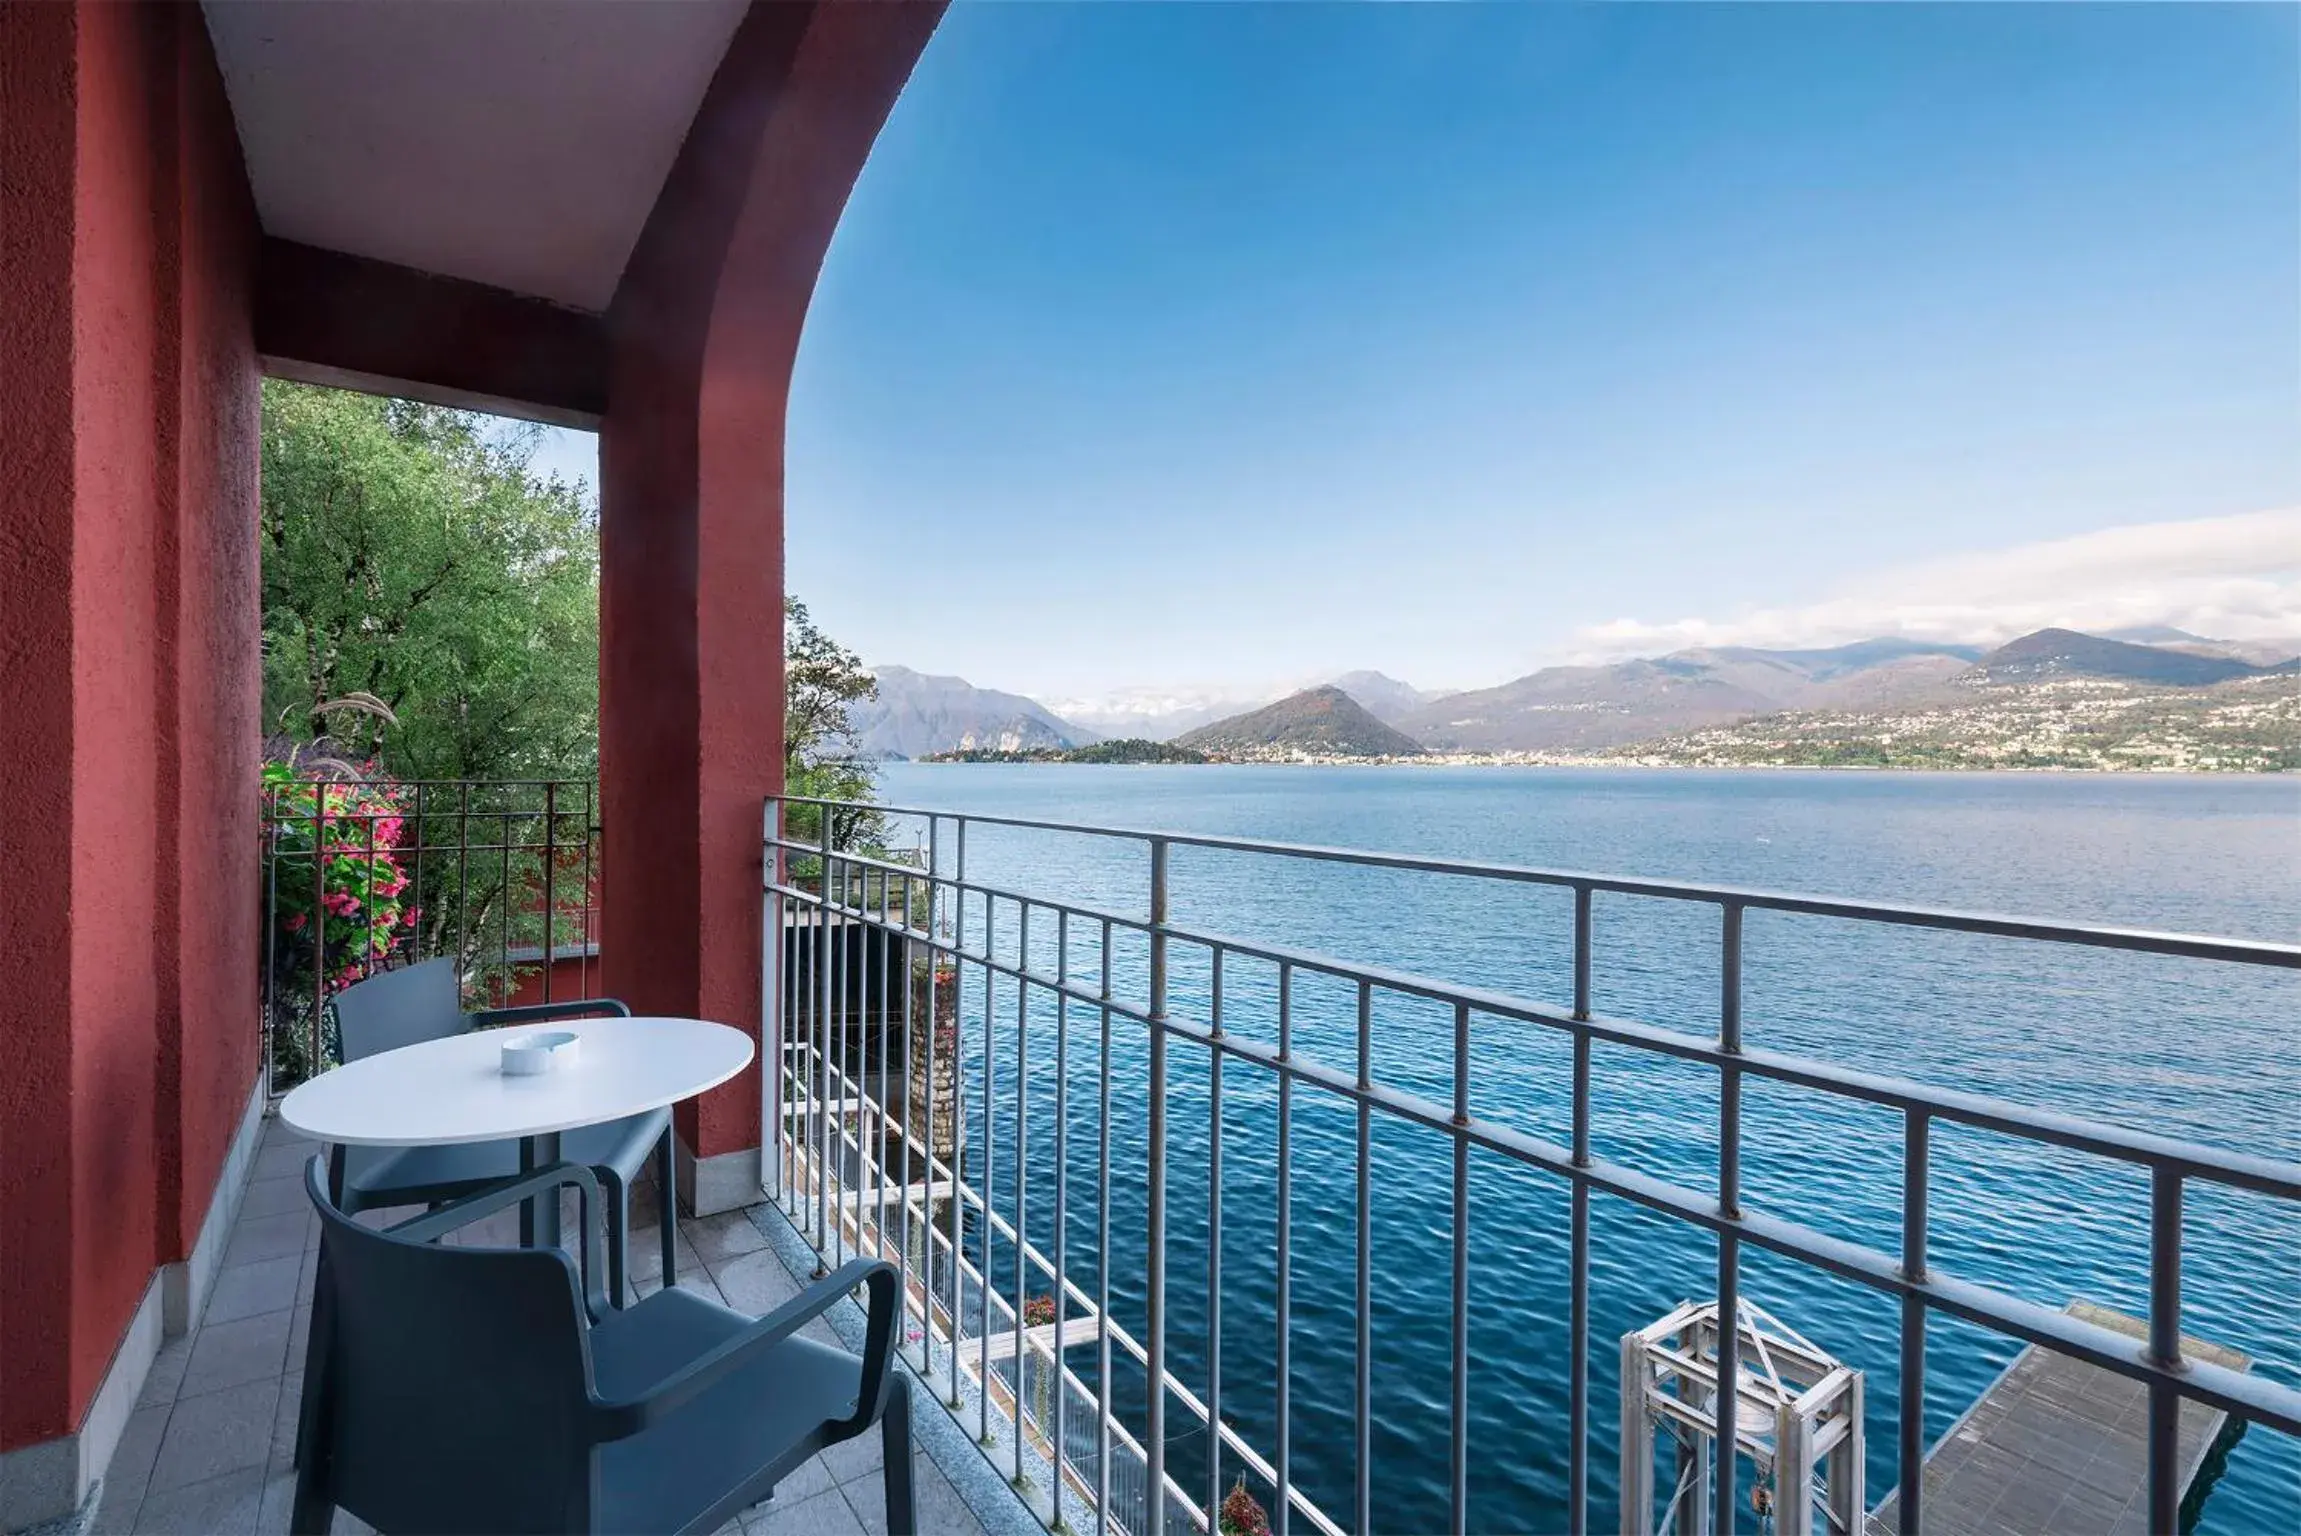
column 703, row 332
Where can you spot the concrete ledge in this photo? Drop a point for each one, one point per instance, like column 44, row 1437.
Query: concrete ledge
column 47, row 1486
column 51, row 1482
column 710, row 1185
column 184, row 1286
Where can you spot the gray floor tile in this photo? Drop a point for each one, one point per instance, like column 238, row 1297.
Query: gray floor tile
column 216, row 1433
column 728, row 1235
column 647, row 1253
column 284, row 1422
column 756, row 1283
column 279, row 1507
column 166, row 1375
column 850, row 1459
column 229, row 1354
column 940, row 1509
column 283, row 1161
column 826, row 1514
column 267, row 1237
column 219, row 1506
column 274, row 1197
column 111, row 1517
column 131, row 1470
column 802, row 1485
column 249, row 1290
column 299, row 1338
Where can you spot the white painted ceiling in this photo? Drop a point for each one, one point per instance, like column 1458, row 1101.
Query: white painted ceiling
column 514, row 142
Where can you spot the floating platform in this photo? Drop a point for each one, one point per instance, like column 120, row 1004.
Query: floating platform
column 2058, row 1445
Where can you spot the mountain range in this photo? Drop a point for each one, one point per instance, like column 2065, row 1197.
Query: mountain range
column 1560, row 709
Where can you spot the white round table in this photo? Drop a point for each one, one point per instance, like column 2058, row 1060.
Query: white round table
column 441, row 1092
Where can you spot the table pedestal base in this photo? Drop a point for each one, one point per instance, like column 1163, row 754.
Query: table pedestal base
column 539, row 1218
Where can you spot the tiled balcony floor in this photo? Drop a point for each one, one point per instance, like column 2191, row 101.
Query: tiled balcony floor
column 207, row 1450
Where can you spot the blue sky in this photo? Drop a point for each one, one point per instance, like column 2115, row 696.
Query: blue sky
column 1222, row 345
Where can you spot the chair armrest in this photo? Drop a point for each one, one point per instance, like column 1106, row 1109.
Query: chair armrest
column 545, row 1181
column 530, row 1013
column 614, row 1421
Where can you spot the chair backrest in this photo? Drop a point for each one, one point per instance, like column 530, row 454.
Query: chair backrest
column 456, row 1382
column 403, row 1007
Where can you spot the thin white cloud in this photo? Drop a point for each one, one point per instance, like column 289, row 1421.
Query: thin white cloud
column 2229, row 578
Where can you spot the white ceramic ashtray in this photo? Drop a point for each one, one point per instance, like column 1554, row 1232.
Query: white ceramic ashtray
column 549, row 1050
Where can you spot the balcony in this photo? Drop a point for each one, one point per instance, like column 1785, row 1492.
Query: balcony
column 1331, row 1222
column 1151, row 1151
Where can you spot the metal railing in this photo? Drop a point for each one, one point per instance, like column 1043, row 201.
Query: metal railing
column 858, row 1167
column 366, row 875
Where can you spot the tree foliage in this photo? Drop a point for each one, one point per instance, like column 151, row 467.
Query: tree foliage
column 409, row 553
column 821, row 680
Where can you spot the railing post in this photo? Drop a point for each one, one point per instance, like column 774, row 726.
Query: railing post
column 271, row 937
column 1578, row 1299
column 1103, row 1254
column 771, row 1020
column 1458, row 1469
column 819, row 1070
column 319, row 924
column 958, row 1099
column 920, row 1118
column 1214, row 1252
column 550, row 883
column 2164, row 1347
column 1910, row 1449
column 1283, row 1523
column 1730, row 1207
column 1362, row 1405
column 1155, row 1257
column 1062, row 1197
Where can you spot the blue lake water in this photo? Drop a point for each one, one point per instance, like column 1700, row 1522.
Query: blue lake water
column 2186, row 1048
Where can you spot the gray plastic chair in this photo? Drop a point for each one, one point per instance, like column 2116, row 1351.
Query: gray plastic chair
column 456, row 1389
column 423, row 1002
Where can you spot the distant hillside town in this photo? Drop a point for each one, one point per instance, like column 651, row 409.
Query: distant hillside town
column 2155, row 699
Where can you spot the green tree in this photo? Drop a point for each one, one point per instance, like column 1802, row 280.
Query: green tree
column 430, row 611
column 822, row 679
column 409, row 553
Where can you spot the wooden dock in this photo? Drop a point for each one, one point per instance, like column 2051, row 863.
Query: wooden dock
column 2058, row 1445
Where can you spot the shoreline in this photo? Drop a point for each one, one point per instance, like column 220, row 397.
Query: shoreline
column 1553, row 760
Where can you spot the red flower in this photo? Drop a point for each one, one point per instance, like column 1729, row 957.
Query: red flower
column 1242, row 1514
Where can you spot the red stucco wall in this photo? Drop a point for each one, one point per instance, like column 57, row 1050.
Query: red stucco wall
column 116, row 508
column 38, row 133
column 703, row 333
column 128, row 452
column 211, row 698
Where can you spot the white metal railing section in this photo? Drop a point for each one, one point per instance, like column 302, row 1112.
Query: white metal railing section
column 852, row 1172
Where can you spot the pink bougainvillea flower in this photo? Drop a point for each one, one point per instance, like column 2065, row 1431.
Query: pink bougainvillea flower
column 295, row 922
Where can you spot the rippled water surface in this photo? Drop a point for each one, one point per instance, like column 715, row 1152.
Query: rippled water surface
column 2184, row 1048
